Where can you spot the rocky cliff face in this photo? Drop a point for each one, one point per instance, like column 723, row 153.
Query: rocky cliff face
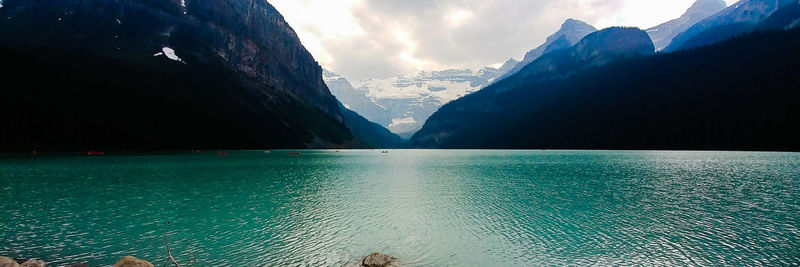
column 603, row 46
column 250, row 36
column 662, row 34
column 253, row 38
column 248, row 60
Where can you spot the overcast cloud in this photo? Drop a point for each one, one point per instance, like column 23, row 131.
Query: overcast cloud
column 379, row 38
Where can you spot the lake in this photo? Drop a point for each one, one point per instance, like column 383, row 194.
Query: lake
column 454, row 208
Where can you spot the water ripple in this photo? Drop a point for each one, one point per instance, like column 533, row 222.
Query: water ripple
column 452, row 208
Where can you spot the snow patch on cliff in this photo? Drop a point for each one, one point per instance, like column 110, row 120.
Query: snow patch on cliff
column 415, row 86
column 169, row 53
column 403, row 125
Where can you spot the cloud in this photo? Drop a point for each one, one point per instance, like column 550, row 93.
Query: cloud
column 379, row 38
column 457, row 17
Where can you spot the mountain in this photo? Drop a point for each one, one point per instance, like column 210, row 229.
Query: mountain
column 572, row 30
column 662, row 34
column 596, row 49
column 737, row 19
column 369, row 133
column 680, row 100
column 160, row 75
column 784, row 18
column 403, row 103
column 355, row 99
column 558, row 44
column 511, row 63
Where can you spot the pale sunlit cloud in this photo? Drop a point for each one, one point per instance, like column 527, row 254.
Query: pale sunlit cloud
column 318, row 22
column 379, row 38
column 407, row 54
column 457, row 17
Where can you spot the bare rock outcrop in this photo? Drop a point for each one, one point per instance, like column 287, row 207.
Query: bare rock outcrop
column 8, row 262
column 33, row 263
column 378, row 259
column 130, row 261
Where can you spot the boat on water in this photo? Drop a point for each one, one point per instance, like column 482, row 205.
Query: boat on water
column 222, row 153
column 95, row 153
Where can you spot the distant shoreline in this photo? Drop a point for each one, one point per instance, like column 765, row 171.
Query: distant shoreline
column 286, row 151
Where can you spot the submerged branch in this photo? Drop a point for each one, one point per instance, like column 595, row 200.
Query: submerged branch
column 169, row 253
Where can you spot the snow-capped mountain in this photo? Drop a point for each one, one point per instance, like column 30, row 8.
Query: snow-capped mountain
column 355, row 99
column 403, row 103
column 662, row 34
column 572, row 30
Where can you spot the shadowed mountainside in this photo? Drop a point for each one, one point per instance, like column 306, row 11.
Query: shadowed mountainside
column 737, row 19
column 160, row 74
column 736, row 95
column 663, row 34
column 571, row 32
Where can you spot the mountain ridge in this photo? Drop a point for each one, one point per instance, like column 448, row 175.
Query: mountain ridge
column 734, row 20
column 220, row 74
column 605, row 107
column 597, row 48
column 572, row 29
column 663, row 34
column 402, row 103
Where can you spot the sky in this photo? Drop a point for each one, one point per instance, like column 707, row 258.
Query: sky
column 362, row 39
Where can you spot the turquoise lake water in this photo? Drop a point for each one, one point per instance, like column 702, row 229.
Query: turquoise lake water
column 451, row 208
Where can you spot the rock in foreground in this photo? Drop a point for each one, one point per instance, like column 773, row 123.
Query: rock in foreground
column 33, row 263
column 129, row 261
column 8, row 262
column 378, row 259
